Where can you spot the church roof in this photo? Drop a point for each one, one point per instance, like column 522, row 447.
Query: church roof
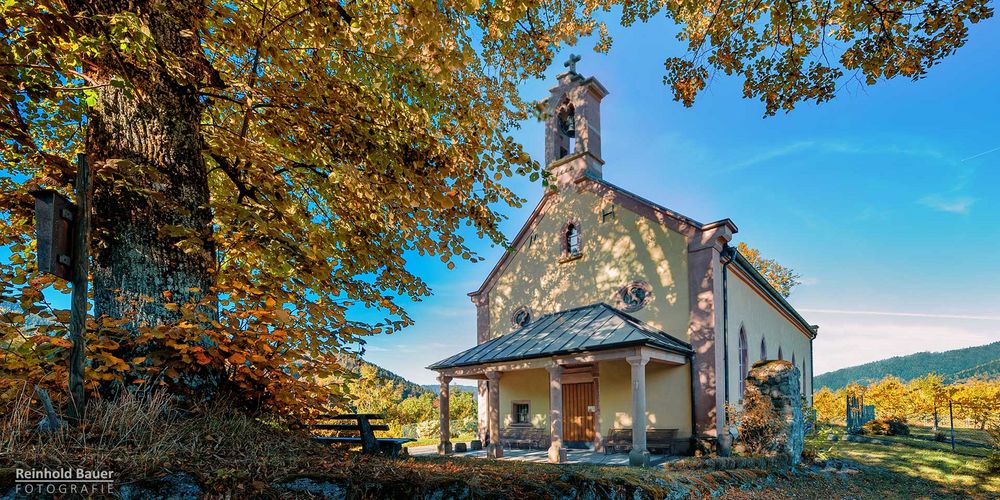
column 588, row 328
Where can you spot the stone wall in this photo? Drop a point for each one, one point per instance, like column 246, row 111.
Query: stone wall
column 777, row 382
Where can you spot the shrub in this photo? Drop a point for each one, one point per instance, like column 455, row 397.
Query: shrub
column 809, row 454
column 993, row 461
column 760, row 424
column 887, row 426
column 940, row 437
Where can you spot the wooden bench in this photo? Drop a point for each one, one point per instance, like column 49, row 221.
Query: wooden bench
column 618, row 439
column 523, row 437
column 661, row 440
column 370, row 444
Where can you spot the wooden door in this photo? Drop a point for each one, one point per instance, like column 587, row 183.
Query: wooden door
column 578, row 419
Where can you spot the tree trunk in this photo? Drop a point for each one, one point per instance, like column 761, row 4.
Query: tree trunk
column 152, row 226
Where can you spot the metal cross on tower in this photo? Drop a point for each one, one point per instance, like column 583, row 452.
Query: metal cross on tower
column 571, row 62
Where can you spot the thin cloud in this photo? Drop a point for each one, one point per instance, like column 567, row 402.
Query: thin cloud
column 904, row 314
column 955, row 205
column 984, row 153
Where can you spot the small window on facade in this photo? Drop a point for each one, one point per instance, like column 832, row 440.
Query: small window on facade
column 522, row 413
column 743, row 359
column 763, row 349
column 793, row 359
column 780, row 355
column 572, row 239
column 521, row 317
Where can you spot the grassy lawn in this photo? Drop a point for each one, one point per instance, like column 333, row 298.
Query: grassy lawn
column 961, row 434
column 426, row 441
column 918, row 463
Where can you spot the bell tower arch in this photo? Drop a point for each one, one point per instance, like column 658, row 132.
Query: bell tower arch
column 573, row 126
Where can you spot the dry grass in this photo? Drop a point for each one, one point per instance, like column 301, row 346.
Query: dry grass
column 142, row 435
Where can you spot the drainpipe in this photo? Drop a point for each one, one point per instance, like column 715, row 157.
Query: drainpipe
column 727, row 258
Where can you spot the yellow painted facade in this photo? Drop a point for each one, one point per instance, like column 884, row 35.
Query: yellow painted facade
column 762, row 321
column 615, row 251
column 525, row 385
column 668, row 397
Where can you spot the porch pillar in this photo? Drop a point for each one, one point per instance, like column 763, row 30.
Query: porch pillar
column 557, row 454
column 638, row 456
column 495, row 449
column 445, row 447
column 598, row 438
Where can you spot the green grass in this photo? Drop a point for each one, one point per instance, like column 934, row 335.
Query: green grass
column 465, row 438
column 961, row 434
column 918, row 460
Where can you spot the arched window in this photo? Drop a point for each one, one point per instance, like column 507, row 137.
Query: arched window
column 763, row 349
column 803, row 376
column 572, row 239
column 802, row 379
column 780, row 355
column 793, row 358
column 566, row 125
column 744, row 365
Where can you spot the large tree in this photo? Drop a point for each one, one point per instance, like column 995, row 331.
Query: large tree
column 263, row 166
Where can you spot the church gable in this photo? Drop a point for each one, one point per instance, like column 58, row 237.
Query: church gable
column 579, row 249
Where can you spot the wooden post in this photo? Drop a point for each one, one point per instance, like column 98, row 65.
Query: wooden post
column 369, row 445
column 78, row 300
column 951, row 420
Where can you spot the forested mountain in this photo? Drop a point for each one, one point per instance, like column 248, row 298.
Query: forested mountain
column 952, row 366
column 354, row 363
column 454, row 387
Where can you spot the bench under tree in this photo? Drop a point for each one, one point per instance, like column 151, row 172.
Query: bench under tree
column 370, row 445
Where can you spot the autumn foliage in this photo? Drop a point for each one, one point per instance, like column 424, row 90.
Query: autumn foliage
column 267, row 172
column 974, row 402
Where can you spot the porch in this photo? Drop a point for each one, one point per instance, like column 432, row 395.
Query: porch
column 580, row 377
column 588, row 457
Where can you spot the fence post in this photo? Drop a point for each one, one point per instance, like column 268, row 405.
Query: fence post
column 951, row 420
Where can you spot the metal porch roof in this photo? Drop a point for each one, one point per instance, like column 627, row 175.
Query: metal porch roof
column 588, row 328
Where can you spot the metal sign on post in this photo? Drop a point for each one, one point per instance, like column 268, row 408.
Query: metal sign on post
column 62, row 231
column 54, row 227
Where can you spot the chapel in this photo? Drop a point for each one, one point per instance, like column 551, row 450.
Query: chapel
column 612, row 313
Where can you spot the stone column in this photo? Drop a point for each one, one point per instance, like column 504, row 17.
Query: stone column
column 598, row 438
column 557, row 454
column 638, row 456
column 445, row 447
column 495, row 449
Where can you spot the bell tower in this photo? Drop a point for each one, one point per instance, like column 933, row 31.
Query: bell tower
column 573, row 126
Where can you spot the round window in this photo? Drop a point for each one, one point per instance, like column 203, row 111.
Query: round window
column 521, row 317
column 634, row 296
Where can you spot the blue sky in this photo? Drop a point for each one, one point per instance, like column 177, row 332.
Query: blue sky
column 886, row 199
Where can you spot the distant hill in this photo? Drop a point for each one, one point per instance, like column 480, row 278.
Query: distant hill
column 436, row 389
column 354, row 363
column 952, row 366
